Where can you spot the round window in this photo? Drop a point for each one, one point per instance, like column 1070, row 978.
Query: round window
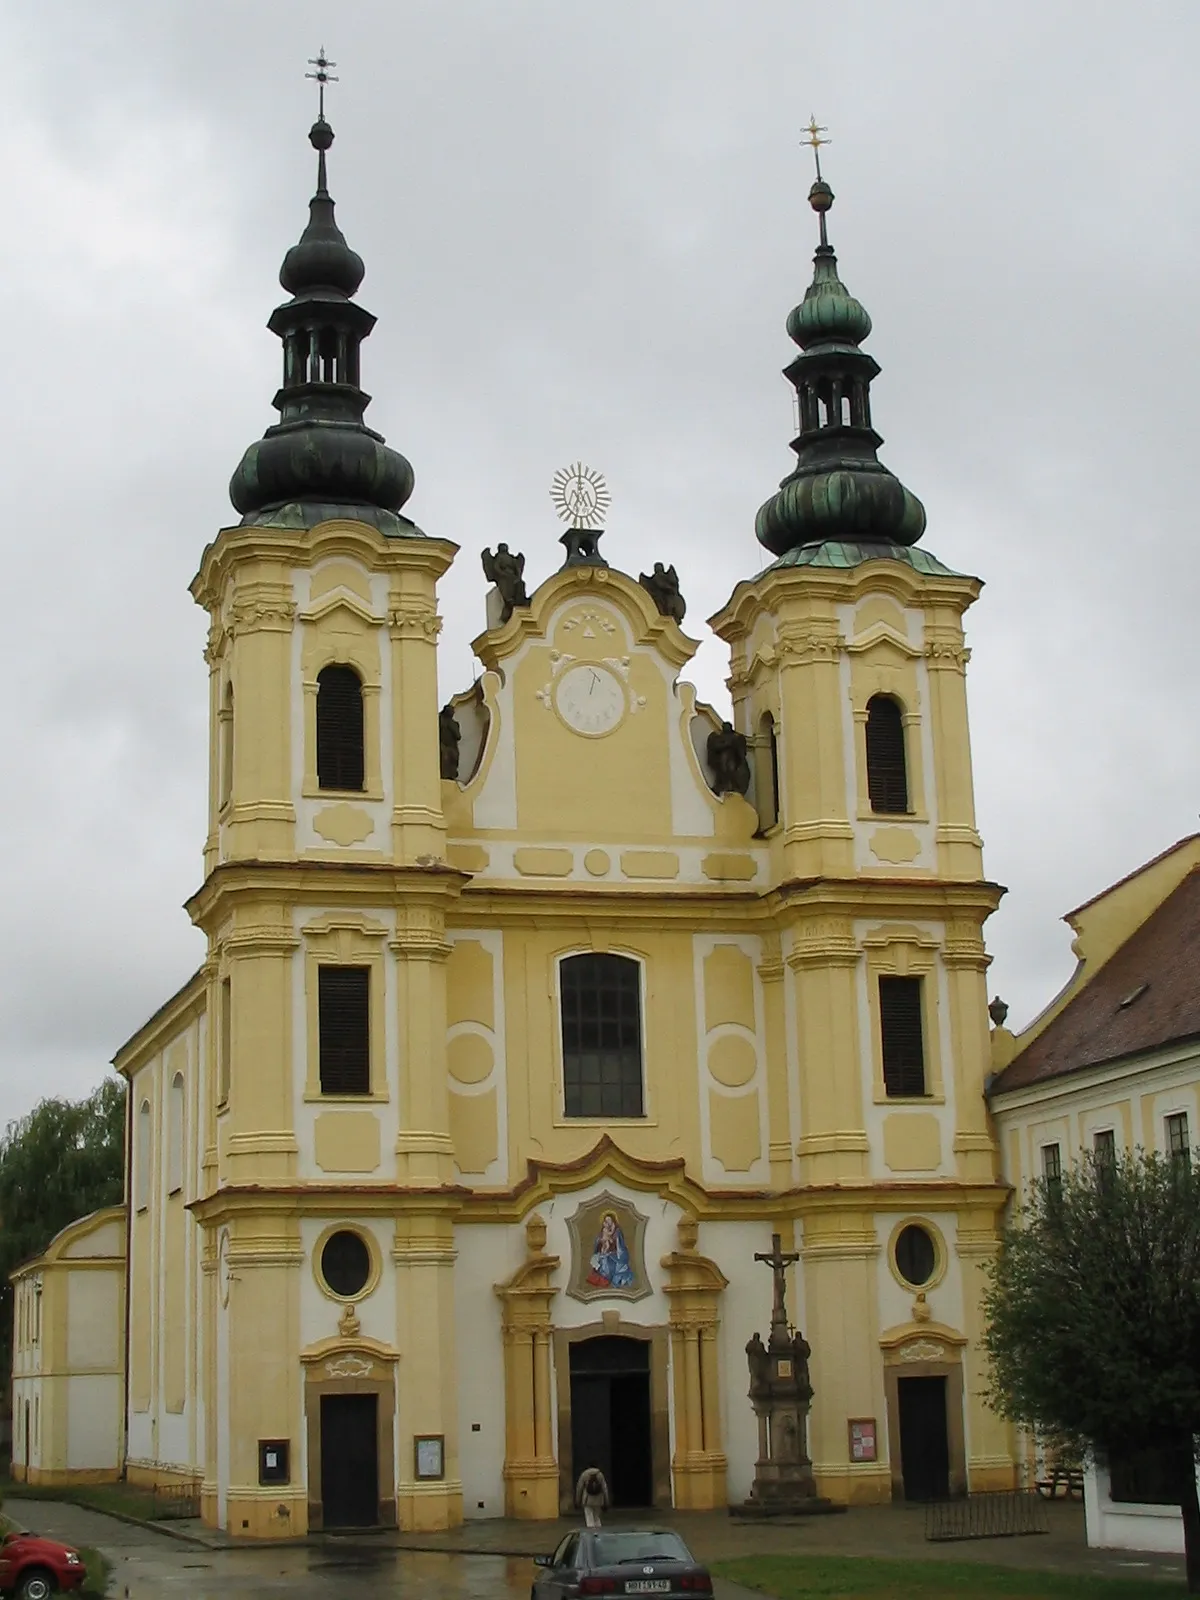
column 346, row 1263
column 916, row 1255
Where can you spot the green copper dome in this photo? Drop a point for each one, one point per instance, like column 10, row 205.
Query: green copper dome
column 839, row 490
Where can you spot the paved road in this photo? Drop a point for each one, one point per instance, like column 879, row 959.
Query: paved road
column 153, row 1566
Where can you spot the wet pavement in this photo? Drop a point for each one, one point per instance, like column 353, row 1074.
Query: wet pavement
column 149, row 1565
column 470, row 1563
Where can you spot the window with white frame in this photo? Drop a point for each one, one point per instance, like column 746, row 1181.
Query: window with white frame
column 1178, row 1139
column 1052, row 1169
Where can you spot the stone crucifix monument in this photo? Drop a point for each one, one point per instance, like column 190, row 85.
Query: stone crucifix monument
column 780, row 1393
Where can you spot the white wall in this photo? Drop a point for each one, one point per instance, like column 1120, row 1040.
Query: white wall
column 1122, row 1526
column 94, row 1403
column 486, row 1256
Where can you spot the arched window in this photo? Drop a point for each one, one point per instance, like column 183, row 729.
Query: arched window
column 175, row 1136
column 887, row 770
column 339, row 729
column 601, row 1036
column 766, row 773
column 225, row 752
column 225, row 1043
column 141, row 1167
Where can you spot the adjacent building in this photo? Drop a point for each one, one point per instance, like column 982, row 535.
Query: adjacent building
column 1111, row 1065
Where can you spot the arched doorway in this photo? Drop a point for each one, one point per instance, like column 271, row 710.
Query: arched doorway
column 611, row 1425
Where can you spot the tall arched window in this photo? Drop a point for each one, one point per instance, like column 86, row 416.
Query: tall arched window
column 175, row 1136
column 141, row 1167
column 766, row 773
column 225, row 751
column 887, row 769
column 339, row 728
column 601, row 1036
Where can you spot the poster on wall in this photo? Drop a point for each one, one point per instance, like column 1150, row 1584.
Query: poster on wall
column 607, row 1251
column 862, row 1439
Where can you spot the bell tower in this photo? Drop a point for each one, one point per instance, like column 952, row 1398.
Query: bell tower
column 328, row 1161
column 847, row 676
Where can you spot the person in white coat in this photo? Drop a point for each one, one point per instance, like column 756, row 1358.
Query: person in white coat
column 591, row 1493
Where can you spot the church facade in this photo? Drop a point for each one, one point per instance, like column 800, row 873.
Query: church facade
column 525, row 1025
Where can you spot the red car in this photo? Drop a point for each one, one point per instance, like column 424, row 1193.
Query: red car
column 33, row 1568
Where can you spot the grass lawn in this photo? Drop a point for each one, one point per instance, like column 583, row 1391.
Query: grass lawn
column 95, row 1585
column 854, row 1578
column 119, row 1497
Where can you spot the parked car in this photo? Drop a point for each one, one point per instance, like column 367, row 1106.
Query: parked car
column 619, row 1561
column 33, row 1568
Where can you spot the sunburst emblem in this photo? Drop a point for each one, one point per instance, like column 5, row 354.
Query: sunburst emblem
column 580, row 496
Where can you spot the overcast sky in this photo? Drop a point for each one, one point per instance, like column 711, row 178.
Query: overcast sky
column 583, row 228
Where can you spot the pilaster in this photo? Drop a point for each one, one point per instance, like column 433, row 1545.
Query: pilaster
column 693, row 1288
column 530, row 1468
column 423, row 1255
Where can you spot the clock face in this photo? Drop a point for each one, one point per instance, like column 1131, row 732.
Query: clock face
column 590, row 700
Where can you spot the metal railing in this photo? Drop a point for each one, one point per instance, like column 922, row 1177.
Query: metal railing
column 1003, row 1514
column 176, row 1500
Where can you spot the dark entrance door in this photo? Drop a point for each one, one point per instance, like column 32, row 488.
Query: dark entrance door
column 610, row 1415
column 924, row 1442
column 349, row 1460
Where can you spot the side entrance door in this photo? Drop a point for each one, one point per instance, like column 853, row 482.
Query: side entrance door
column 924, row 1441
column 349, row 1460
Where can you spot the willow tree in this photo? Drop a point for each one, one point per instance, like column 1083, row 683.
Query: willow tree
column 1093, row 1315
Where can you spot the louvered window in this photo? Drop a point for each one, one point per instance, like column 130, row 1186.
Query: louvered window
column 887, row 770
column 602, row 1036
column 901, row 1034
column 344, row 1003
column 339, row 728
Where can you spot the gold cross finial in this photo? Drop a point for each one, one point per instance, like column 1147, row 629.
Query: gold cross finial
column 814, row 131
column 321, row 77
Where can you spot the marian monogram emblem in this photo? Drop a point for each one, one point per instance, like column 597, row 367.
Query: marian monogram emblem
column 349, row 1366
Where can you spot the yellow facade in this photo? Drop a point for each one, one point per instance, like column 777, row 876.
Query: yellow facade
column 760, row 949
column 69, row 1355
column 613, row 1021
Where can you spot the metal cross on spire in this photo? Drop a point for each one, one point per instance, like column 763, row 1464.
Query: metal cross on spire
column 321, row 77
column 814, row 131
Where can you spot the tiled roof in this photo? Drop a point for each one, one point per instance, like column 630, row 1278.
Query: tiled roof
column 1145, row 996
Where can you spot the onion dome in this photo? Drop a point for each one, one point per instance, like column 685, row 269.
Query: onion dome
column 839, row 490
column 320, row 457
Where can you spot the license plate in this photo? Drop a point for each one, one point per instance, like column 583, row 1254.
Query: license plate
column 648, row 1586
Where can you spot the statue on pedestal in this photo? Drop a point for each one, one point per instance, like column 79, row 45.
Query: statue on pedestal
column 780, row 1392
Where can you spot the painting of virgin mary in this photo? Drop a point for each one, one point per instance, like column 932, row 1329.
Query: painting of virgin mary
column 609, row 1267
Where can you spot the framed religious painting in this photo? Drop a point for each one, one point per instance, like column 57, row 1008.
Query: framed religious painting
column 608, row 1258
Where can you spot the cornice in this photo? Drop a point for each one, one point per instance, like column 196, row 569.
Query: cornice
column 840, row 585
column 185, row 1003
column 371, row 882
column 305, row 547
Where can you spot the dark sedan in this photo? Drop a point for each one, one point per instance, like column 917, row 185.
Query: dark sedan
column 647, row 1561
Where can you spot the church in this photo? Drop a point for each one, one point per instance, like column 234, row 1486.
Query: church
column 526, row 1022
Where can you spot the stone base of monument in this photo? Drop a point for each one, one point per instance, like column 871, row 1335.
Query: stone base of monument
column 778, row 1492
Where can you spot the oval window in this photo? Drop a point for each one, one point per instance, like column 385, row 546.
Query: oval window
column 916, row 1255
column 346, row 1263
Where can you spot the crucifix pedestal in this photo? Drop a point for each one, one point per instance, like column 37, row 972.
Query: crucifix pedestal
column 780, row 1393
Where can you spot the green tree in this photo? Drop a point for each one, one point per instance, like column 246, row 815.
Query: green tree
column 1094, row 1317
column 66, row 1158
